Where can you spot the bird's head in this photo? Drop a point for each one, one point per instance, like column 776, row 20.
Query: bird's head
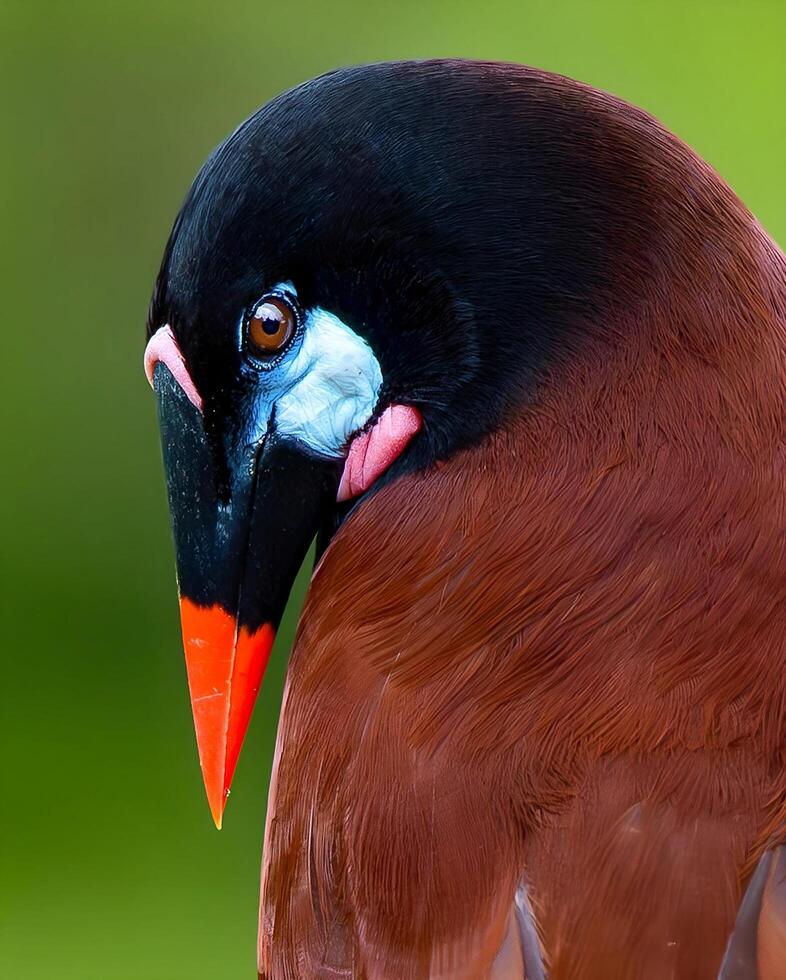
column 366, row 277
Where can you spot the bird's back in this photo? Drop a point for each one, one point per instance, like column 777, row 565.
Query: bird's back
column 535, row 713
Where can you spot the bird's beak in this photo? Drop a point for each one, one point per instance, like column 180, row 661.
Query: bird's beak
column 237, row 552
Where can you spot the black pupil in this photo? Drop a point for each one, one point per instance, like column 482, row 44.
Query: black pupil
column 271, row 323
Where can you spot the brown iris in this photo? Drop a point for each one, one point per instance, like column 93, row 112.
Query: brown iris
column 271, row 326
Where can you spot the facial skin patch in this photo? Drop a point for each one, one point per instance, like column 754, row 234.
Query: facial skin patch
column 372, row 452
column 331, row 386
column 163, row 347
column 323, row 392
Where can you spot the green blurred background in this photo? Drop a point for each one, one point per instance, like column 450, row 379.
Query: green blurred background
column 110, row 867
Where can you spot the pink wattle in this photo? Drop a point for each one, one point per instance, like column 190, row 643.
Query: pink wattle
column 162, row 346
column 372, row 452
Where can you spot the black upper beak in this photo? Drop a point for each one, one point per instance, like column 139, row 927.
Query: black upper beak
column 237, row 556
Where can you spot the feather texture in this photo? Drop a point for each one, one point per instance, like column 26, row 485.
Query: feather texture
column 557, row 659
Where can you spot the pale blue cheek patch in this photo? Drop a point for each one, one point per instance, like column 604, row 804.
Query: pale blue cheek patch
column 331, row 386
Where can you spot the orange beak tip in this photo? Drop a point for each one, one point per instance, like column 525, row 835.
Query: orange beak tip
column 216, row 804
column 225, row 667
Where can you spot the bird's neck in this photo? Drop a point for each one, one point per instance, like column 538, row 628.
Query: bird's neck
column 589, row 535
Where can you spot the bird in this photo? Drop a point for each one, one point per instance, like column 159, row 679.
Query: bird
column 512, row 356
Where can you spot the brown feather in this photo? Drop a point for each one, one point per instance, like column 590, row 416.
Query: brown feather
column 558, row 657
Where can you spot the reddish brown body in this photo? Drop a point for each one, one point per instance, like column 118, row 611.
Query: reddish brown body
column 558, row 659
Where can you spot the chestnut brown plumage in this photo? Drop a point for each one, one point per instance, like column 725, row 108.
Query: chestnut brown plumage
column 535, row 716
column 562, row 661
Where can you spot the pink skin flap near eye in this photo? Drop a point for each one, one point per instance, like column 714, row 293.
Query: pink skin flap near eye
column 372, row 452
column 162, row 347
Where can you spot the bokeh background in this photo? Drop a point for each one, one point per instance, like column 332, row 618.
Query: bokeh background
column 110, row 866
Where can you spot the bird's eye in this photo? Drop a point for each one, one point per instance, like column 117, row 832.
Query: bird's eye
column 270, row 326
